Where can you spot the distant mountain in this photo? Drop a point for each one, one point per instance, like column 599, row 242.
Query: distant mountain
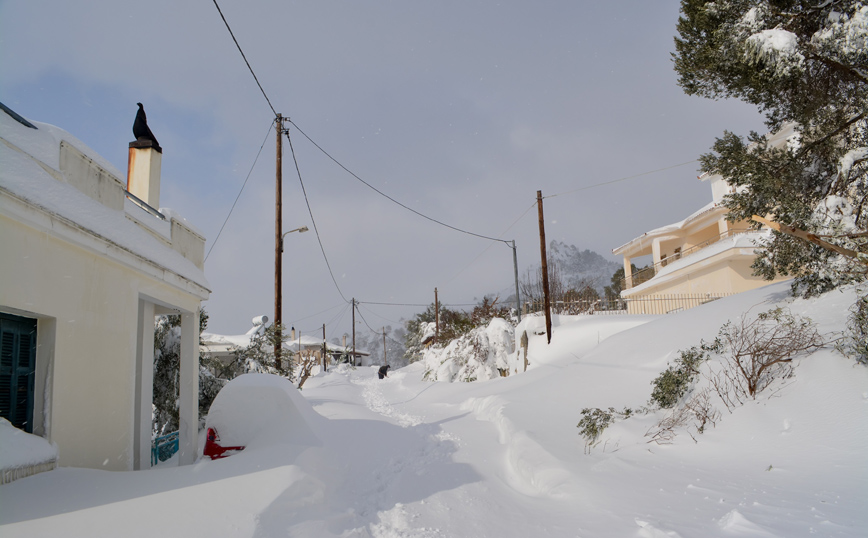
column 579, row 268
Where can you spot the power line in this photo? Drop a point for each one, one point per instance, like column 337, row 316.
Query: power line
column 621, row 179
column 486, row 249
column 391, row 304
column 239, row 192
column 381, row 193
column 322, row 312
column 312, row 220
column 245, row 57
column 381, row 317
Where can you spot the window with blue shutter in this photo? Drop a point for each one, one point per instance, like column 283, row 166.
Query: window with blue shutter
column 17, row 370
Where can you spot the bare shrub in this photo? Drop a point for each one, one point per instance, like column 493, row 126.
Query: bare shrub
column 697, row 412
column 664, row 432
column 760, row 351
column 704, row 412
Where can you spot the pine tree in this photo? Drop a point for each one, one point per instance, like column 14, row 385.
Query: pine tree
column 804, row 64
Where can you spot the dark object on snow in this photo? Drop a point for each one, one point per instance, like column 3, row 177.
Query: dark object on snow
column 383, row 371
column 140, row 127
column 214, row 450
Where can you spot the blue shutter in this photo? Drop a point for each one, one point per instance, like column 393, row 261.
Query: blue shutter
column 17, row 370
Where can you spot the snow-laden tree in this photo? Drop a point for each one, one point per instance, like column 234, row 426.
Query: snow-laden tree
column 804, row 64
column 167, row 364
column 478, row 355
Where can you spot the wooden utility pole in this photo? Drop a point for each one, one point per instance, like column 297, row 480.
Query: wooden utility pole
column 515, row 269
column 278, row 232
column 354, row 333
column 545, row 267
column 385, row 359
column 324, row 350
column 436, row 317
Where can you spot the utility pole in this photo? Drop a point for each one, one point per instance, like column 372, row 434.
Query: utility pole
column 354, row 332
column 545, row 267
column 324, row 350
column 515, row 269
column 436, row 317
column 385, row 359
column 278, row 233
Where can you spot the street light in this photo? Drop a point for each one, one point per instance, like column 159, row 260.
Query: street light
column 278, row 288
column 299, row 230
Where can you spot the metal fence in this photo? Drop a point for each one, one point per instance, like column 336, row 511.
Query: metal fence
column 648, row 272
column 652, row 304
column 164, row 447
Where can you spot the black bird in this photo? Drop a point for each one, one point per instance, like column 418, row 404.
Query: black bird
column 140, row 127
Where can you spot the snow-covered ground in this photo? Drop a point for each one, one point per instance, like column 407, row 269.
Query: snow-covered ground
column 402, row 457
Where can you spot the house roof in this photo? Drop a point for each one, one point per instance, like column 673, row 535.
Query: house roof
column 30, row 172
column 671, row 228
column 220, row 343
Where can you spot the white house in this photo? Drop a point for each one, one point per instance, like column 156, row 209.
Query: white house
column 701, row 257
column 223, row 347
column 86, row 266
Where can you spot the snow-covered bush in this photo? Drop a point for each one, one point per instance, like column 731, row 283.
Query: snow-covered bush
column 595, row 421
column 675, row 381
column 476, row 356
column 855, row 341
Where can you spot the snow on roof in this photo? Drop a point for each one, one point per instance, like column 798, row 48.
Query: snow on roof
column 227, row 343
column 670, row 228
column 29, row 168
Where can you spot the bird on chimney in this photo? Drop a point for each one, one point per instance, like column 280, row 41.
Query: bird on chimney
column 140, row 127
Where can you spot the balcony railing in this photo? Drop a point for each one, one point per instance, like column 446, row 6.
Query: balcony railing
column 649, row 272
column 652, row 304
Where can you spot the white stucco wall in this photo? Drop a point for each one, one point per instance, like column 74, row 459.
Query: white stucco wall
column 93, row 305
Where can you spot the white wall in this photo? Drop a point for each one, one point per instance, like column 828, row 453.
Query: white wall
column 91, row 303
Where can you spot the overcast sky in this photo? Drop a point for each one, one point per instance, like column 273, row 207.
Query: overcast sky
column 461, row 110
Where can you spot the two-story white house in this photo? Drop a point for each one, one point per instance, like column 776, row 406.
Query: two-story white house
column 700, row 258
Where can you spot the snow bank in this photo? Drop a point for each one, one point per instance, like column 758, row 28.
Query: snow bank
column 259, row 410
column 23, row 454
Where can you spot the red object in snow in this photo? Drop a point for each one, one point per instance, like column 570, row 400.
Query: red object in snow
column 213, row 450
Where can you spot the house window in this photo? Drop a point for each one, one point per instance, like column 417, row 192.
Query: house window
column 17, row 370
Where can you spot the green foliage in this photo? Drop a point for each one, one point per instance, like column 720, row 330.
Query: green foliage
column 453, row 324
column 639, row 275
column 855, row 341
column 595, row 420
column 818, row 180
column 259, row 355
column 674, row 382
column 167, row 365
column 484, row 312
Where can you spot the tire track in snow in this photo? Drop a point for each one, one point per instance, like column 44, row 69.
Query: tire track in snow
column 531, row 469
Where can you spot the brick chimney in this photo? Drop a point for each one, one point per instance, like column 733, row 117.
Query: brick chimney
column 143, row 171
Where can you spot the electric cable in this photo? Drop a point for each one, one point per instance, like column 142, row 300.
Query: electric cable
column 321, row 312
column 245, row 58
column 381, row 193
column 312, row 220
column 239, row 192
column 516, row 221
column 621, row 179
